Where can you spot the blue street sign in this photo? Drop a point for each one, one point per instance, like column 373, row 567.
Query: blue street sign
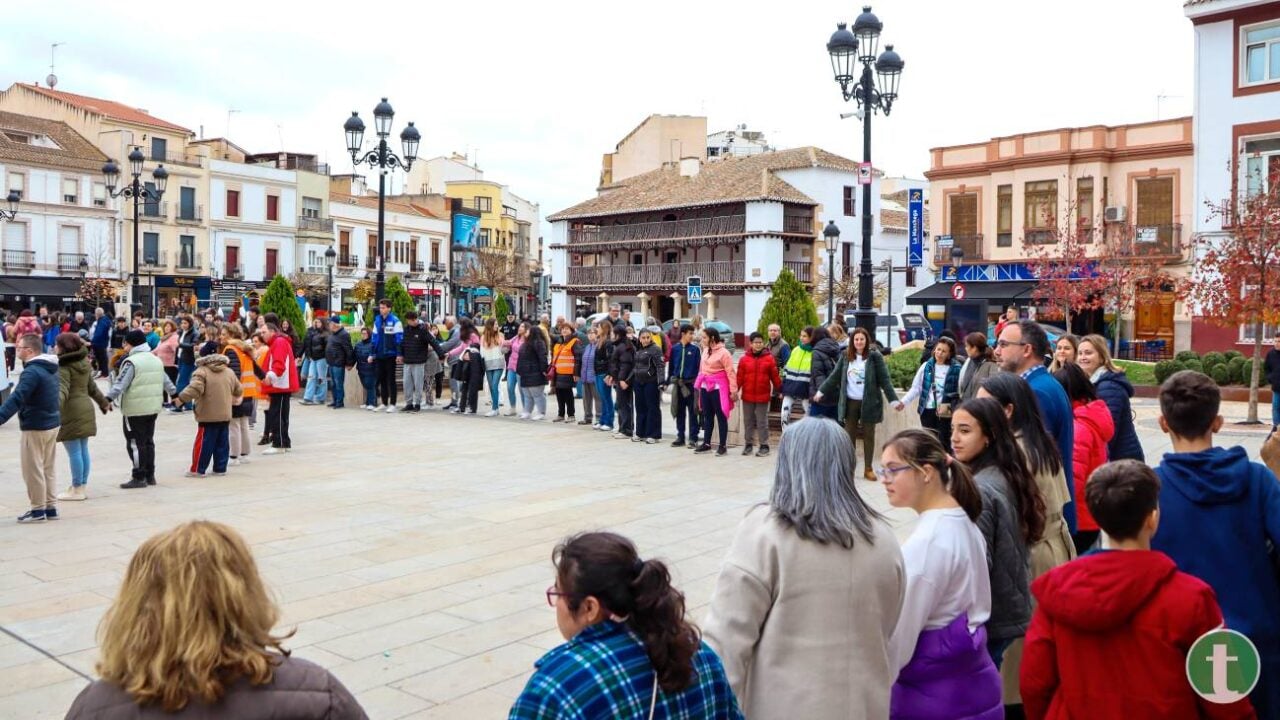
column 915, row 227
column 695, row 290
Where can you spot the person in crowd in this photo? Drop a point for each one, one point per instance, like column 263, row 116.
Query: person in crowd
column 1012, row 517
column 26, row 324
column 796, row 373
column 188, row 339
column 212, row 341
column 78, row 394
column 629, row 650
column 417, row 346
column 215, row 389
column 290, row 332
column 315, row 369
column 648, row 374
column 1010, row 316
column 1093, row 430
column 758, row 382
column 937, row 384
column 388, row 333
column 366, row 369
column 826, row 355
column 153, row 337
column 491, row 342
column 208, row 628
column 512, row 347
column 816, row 551
column 259, row 350
column 167, row 351
column 565, row 361
column 932, row 342
column 100, row 340
column 240, row 361
column 979, row 364
column 279, row 384
column 452, row 338
column 615, row 315
column 622, row 365
column 1064, row 352
column 1271, row 373
column 580, row 333
column 1022, row 349
column 340, row 357
column 251, row 321
column 861, row 383
column 468, row 367
column 603, row 355
column 118, row 331
column 592, row 406
column 140, row 386
column 938, row 650
column 717, row 385
column 35, row 400
column 682, row 371
column 509, row 329
column 1115, row 390
column 531, row 367
column 1218, row 512
column 778, row 347
column 1111, row 631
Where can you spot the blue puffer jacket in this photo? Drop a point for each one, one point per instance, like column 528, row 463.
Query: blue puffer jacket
column 1115, row 390
column 35, row 399
column 364, row 350
column 388, row 333
column 102, row 332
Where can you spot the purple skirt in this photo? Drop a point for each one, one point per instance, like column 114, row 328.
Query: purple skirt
column 950, row 676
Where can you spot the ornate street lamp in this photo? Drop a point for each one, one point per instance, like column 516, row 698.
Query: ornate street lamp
column 831, row 235
column 848, row 49
column 383, row 160
column 139, row 193
column 329, row 255
column 12, row 212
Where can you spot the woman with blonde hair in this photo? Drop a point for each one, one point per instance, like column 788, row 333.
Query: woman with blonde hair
column 1115, row 390
column 194, row 639
column 1064, row 352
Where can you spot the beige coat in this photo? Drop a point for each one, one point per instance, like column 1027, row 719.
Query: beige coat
column 214, row 388
column 802, row 628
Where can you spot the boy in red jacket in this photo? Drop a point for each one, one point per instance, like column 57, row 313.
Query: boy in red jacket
column 1110, row 635
column 758, row 382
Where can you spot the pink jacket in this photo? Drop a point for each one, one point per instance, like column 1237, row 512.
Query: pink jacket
column 167, row 350
column 514, row 344
column 717, row 361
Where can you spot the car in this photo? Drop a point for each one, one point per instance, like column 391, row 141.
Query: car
column 1054, row 334
column 903, row 328
column 726, row 332
column 636, row 321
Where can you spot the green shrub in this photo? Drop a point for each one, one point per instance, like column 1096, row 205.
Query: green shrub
column 1246, row 373
column 1165, row 368
column 1213, row 358
column 501, row 308
column 1233, row 354
column 1186, row 355
column 1196, row 365
column 401, row 300
column 790, row 307
column 902, row 366
column 1220, row 375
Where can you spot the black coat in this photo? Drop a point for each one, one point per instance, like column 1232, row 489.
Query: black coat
column 314, row 343
column 338, row 351
column 531, row 363
column 602, row 359
column 417, row 344
column 622, row 362
column 826, row 355
column 187, row 342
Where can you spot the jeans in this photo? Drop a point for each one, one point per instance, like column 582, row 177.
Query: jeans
column 686, row 410
column 493, row 378
column 787, row 402
column 820, row 410
column 534, row 399
column 185, row 372
column 564, row 402
column 213, row 442
column 1275, row 408
column 78, row 453
column 415, row 376
column 590, row 401
column 99, row 360
column 278, row 420
column 513, row 387
column 140, row 443
column 369, row 382
column 317, row 381
column 648, row 411
column 577, row 389
column 713, row 414
column 338, row 383
column 386, row 380
column 606, row 401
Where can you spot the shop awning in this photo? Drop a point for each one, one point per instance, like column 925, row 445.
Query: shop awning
column 40, row 287
column 1006, row 291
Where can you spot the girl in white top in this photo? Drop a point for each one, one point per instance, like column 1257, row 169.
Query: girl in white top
column 939, row 644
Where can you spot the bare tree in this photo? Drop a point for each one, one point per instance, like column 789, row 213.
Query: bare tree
column 845, row 290
column 489, row 268
column 96, row 287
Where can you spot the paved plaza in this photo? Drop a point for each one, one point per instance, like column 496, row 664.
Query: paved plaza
column 410, row 552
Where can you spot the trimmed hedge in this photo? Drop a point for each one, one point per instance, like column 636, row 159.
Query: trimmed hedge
column 902, row 366
column 1196, row 365
column 1165, row 368
column 1220, row 375
column 1186, row 355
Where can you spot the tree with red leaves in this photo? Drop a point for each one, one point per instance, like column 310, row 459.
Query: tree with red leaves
column 1237, row 278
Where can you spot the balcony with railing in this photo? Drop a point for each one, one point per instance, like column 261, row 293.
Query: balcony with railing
column 189, row 263
column 306, row 223
column 190, row 215
column 154, row 260
column 347, row 261
column 1156, row 241
column 19, row 259
column 728, row 227
column 798, row 224
column 802, row 269
column 70, row 262
column 667, row 276
column 233, row 272
column 151, row 211
column 437, row 268
column 371, row 262
column 970, row 245
column 188, row 159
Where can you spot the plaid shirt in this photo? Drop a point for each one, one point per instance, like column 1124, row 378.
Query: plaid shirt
column 604, row 672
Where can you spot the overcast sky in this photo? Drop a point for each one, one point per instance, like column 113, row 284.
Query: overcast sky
column 537, row 91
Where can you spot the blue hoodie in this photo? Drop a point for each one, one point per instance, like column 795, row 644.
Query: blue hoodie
column 388, row 333
column 1216, row 511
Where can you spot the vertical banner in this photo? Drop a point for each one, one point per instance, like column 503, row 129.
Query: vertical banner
column 915, row 227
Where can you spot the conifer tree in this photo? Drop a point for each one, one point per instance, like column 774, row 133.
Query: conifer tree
column 790, row 307
column 281, row 300
column 401, row 300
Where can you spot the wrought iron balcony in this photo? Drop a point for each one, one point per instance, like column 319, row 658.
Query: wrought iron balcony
column 437, row 268
column 371, row 262
column 347, row 260
column 189, row 262
column 154, row 260
column 194, row 215
column 233, row 272
column 970, row 244
column 1156, row 241
column 19, row 259
column 70, row 262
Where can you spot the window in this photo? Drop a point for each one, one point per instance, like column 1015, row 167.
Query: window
column 1084, row 204
column 231, row 266
column 186, row 251
column 372, row 249
column 484, row 237
column 435, row 253
column 1040, row 210
column 159, row 148
column 1268, row 332
column 1004, row 216
column 483, row 204
column 233, row 203
column 413, row 249
column 18, row 184
column 344, row 243
column 311, row 207
column 273, row 208
column 99, row 195
column 911, row 276
column 1261, row 59
column 272, row 256
column 1155, row 208
column 15, row 236
column 151, row 208
column 18, row 137
column 69, row 245
column 70, row 191
column 1261, row 164
column 151, row 248
column 849, row 205
column 187, row 203
column 964, row 215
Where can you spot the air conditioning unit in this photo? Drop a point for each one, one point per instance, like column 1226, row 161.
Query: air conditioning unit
column 1117, row 214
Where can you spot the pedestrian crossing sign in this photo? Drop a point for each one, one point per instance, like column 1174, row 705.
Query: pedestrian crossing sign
column 695, row 290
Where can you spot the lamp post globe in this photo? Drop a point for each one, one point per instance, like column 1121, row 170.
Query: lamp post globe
column 831, row 236
column 354, row 129
column 135, row 161
column 12, row 202
column 161, row 177
column 111, row 175
column 382, row 117
column 329, row 255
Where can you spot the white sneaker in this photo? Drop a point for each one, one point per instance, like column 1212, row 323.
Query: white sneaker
column 524, row 416
column 194, row 474
column 392, row 408
column 233, row 461
column 491, row 413
column 244, row 460
column 606, row 428
column 537, row 416
column 75, row 492
column 618, row 436
column 273, row 451
column 510, row 414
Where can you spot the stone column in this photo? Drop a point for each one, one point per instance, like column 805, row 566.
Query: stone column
column 677, row 305
column 709, row 300
column 643, row 297
column 602, row 302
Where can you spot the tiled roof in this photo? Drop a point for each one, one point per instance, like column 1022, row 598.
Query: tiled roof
column 73, row 150
column 893, row 220
column 737, row 179
column 371, row 202
column 109, row 108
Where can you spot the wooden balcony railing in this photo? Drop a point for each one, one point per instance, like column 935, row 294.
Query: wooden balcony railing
column 724, row 225
column 802, row 269
column 798, row 224
column 720, row 272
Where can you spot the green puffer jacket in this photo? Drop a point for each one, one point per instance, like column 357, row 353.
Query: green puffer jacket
column 77, row 395
column 876, row 386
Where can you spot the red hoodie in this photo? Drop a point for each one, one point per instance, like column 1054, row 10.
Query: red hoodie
column 1109, row 639
column 281, row 363
column 755, row 374
column 1094, row 428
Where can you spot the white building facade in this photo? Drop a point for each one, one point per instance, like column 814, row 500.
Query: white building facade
column 253, row 211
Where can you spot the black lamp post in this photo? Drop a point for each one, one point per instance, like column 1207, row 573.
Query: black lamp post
column 138, row 192
column 12, row 212
column 831, row 235
column 383, row 159
column 859, row 46
column 329, row 255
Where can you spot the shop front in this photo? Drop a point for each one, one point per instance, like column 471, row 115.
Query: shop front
column 23, row 293
column 182, row 294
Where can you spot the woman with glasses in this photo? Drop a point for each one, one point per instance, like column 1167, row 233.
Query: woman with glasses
column 630, row 653
column 810, row 591
column 939, row 648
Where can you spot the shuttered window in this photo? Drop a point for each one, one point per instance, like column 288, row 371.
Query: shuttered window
column 70, row 191
column 964, row 215
column 15, row 235
column 68, row 240
column 1041, row 204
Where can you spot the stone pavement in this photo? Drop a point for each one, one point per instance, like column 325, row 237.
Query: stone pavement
column 410, row 552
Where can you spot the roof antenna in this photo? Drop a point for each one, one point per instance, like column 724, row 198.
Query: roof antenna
column 52, row 80
column 229, row 114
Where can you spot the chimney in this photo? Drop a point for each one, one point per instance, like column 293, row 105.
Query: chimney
column 690, row 166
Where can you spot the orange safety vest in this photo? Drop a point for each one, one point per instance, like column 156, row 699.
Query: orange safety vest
column 249, row 383
column 564, row 358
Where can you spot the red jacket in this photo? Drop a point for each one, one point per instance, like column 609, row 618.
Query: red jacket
column 1109, row 639
column 755, row 374
column 1094, row 428
column 282, row 364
